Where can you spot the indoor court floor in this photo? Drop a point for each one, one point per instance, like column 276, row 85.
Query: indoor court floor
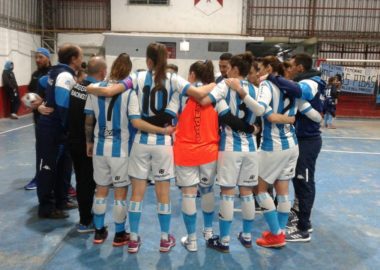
column 346, row 216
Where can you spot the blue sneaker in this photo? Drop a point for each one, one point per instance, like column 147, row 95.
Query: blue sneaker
column 32, row 185
column 216, row 244
column 246, row 243
column 85, row 228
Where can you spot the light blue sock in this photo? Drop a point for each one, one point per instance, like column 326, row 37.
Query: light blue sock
column 164, row 216
column 190, row 222
column 99, row 221
column 272, row 219
column 135, row 209
column 283, row 209
column 208, row 218
column 119, row 227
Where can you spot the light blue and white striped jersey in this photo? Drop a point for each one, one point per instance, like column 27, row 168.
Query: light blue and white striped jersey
column 275, row 137
column 230, row 140
column 113, row 129
column 152, row 102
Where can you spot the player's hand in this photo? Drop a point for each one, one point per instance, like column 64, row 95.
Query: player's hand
column 42, row 109
column 233, row 83
column 36, row 103
column 257, row 130
column 291, row 119
column 169, row 130
column 89, row 149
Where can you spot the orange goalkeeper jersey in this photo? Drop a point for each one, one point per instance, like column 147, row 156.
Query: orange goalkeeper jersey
column 196, row 140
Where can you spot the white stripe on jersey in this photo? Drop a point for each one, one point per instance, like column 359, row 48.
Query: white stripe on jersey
column 231, row 140
column 155, row 102
column 111, row 129
column 276, row 136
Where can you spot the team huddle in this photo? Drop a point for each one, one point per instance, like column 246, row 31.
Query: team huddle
column 153, row 124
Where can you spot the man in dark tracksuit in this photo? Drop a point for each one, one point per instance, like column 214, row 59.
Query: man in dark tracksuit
column 309, row 143
column 51, row 132
column 97, row 70
column 11, row 88
column 43, row 67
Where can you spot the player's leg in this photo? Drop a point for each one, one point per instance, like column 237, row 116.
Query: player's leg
column 102, row 177
column 187, row 178
column 207, row 174
column 163, row 172
column 138, row 170
column 229, row 164
column 119, row 168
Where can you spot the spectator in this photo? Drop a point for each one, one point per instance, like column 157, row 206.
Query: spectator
column 11, row 88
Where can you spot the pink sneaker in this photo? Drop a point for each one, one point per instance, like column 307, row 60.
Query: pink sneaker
column 166, row 245
column 134, row 246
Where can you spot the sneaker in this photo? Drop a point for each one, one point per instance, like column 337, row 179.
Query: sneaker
column 81, row 228
column 298, row 236
column 293, row 218
column 55, row 214
column 207, row 234
column 215, row 243
column 246, row 243
column 70, row 204
column 134, row 246
column 32, row 185
column 14, row 116
column 272, row 240
column 121, row 239
column 100, row 236
column 166, row 245
column 190, row 245
column 71, row 192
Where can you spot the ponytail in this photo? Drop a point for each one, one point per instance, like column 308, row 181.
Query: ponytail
column 158, row 54
column 276, row 64
column 204, row 71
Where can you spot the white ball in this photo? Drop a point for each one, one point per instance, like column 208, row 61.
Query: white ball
column 28, row 98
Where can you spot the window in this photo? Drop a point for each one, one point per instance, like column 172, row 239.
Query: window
column 218, row 46
column 171, row 48
column 148, row 2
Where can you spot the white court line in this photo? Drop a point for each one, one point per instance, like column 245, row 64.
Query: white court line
column 350, row 152
column 351, row 138
column 13, row 129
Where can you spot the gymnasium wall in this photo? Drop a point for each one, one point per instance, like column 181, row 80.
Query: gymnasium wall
column 178, row 17
column 18, row 47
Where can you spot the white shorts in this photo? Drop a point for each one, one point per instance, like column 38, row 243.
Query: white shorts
column 278, row 165
column 158, row 157
column 237, row 169
column 111, row 170
column 204, row 175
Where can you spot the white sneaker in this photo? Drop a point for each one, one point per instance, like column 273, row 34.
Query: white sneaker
column 14, row 116
column 190, row 245
column 207, row 234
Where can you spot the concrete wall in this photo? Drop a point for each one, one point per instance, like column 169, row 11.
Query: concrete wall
column 180, row 16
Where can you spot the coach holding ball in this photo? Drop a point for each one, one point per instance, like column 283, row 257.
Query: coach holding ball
column 42, row 58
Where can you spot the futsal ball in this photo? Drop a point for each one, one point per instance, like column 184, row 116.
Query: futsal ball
column 28, row 98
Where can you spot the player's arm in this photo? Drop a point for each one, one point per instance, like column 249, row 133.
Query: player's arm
column 134, row 116
column 277, row 118
column 258, row 108
column 305, row 108
column 227, row 118
column 142, row 125
column 199, row 93
column 107, row 91
column 89, row 132
column 288, row 87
